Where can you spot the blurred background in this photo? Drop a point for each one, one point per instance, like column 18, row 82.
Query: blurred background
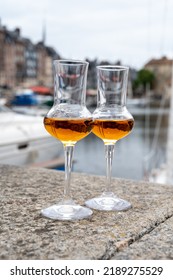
column 134, row 33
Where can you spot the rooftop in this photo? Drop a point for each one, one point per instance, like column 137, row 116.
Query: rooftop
column 162, row 61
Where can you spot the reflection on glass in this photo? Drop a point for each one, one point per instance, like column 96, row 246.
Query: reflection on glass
column 112, row 121
column 69, row 121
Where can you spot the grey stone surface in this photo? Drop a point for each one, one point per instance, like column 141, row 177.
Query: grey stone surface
column 157, row 245
column 25, row 234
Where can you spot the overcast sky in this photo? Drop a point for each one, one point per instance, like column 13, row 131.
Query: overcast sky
column 132, row 31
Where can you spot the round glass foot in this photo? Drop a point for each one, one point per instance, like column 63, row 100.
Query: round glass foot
column 66, row 212
column 108, row 202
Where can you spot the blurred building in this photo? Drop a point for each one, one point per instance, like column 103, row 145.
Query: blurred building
column 162, row 69
column 92, row 74
column 50, row 54
column 23, row 63
column 30, row 66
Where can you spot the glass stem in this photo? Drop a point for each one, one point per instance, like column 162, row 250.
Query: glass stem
column 109, row 152
column 68, row 151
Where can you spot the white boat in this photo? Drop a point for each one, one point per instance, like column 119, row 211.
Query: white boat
column 164, row 174
column 25, row 142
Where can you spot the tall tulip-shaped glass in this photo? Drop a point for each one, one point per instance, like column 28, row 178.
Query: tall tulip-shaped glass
column 69, row 121
column 112, row 121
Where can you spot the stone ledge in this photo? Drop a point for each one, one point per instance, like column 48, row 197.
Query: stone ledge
column 25, row 234
column 157, row 244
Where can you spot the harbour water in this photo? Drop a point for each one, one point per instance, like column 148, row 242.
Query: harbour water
column 143, row 150
column 135, row 155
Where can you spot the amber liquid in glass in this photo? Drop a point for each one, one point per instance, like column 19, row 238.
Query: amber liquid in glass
column 68, row 131
column 112, row 130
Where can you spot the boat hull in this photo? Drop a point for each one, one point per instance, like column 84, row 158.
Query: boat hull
column 25, row 142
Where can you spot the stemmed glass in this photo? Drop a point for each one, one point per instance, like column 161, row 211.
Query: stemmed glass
column 69, row 121
column 112, row 121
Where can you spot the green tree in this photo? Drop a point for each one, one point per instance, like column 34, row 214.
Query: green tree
column 144, row 78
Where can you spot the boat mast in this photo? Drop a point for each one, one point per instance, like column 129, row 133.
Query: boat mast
column 169, row 151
